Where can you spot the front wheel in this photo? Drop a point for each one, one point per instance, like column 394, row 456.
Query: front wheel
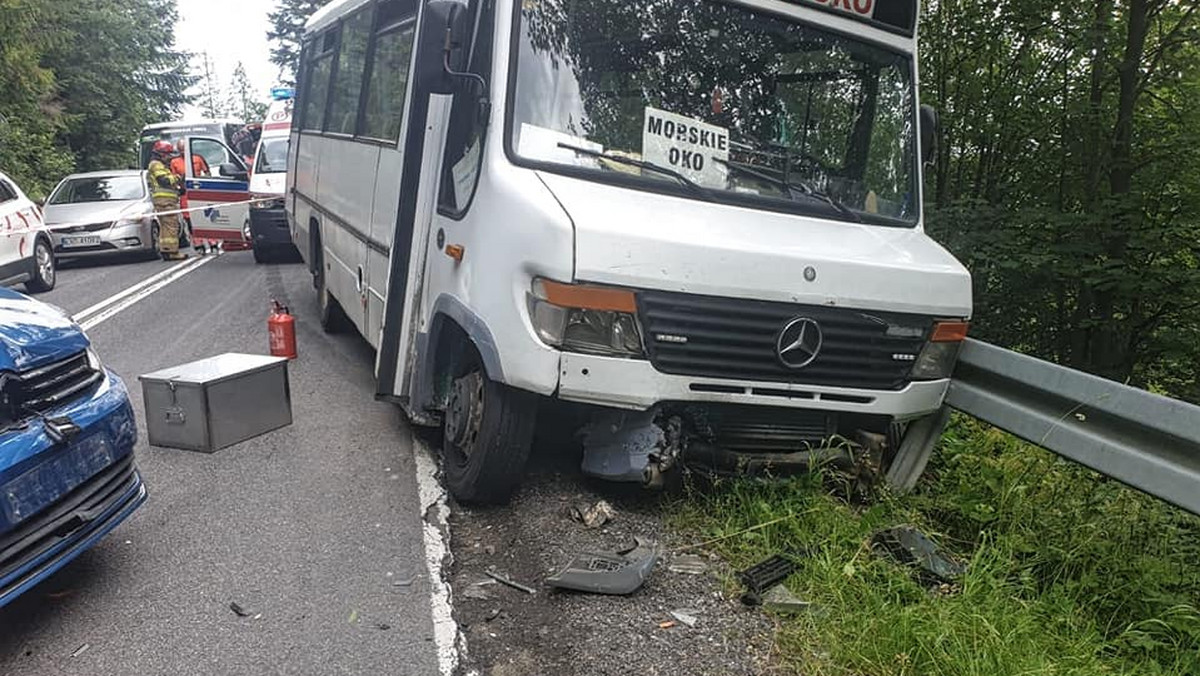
column 488, row 430
column 333, row 319
column 45, row 270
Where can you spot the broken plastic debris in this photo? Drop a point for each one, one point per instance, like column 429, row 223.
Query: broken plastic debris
column 476, row 592
column 238, row 610
column 492, row 615
column 594, row 516
column 405, row 582
column 685, row 616
column 781, row 600
column 505, row 581
column 762, row 576
column 911, row 547
column 688, row 564
column 622, row 572
column 666, row 625
column 81, row 650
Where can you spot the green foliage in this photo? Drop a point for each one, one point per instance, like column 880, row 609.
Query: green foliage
column 1069, row 573
column 1068, row 177
column 79, row 79
column 287, row 29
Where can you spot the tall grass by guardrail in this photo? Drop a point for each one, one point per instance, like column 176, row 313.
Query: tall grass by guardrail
column 1070, row 572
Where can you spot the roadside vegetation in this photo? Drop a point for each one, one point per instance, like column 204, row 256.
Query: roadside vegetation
column 1068, row 573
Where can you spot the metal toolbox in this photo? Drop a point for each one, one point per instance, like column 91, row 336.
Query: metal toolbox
column 216, row 402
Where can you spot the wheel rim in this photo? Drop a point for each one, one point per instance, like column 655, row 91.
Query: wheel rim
column 45, row 264
column 464, row 413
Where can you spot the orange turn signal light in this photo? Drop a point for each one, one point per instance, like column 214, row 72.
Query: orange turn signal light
column 587, row 297
column 949, row 332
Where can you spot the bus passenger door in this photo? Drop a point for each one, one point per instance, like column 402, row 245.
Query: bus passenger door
column 218, row 192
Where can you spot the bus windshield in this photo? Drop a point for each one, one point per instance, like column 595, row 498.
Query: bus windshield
column 750, row 107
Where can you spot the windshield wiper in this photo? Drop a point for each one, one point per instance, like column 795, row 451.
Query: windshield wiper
column 792, row 187
column 643, row 164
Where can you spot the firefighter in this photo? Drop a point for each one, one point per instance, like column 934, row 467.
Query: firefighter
column 164, row 189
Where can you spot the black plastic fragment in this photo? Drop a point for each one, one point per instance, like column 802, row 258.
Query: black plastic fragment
column 911, row 547
column 764, row 575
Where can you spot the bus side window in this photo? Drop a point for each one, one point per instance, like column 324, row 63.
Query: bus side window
column 464, row 139
column 387, row 82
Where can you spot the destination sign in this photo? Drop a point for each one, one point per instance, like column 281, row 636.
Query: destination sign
column 893, row 14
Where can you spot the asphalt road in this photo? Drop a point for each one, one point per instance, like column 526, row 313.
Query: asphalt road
column 307, row 528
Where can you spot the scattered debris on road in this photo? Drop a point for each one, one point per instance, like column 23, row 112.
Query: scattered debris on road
column 686, row 616
column 595, row 515
column 666, row 625
column 688, row 564
column 81, row 650
column 238, row 610
column 620, row 573
column 477, row 592
column 910, row 547
column 763, row 576
column 511, row 583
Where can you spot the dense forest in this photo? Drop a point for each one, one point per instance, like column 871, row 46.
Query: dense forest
column 79, row 79
column 1067, row 177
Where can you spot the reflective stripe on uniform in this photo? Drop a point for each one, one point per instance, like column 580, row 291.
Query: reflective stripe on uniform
column 158, row 170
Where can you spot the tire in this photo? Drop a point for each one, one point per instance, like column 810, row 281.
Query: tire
column 152, row 249
column 45, row 268
column 487, row 431
column 333, row 319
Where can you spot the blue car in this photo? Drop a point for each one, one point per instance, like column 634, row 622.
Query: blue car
column 67, row 432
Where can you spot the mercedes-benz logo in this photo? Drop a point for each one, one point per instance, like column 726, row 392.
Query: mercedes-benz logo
column 800, row 342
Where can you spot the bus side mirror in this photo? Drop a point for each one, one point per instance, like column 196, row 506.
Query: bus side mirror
column 929, row 133
column 445, row 34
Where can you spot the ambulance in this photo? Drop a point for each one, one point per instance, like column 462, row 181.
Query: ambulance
column 266, row 226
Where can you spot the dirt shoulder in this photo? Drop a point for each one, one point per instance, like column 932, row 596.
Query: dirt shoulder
column 512, row 633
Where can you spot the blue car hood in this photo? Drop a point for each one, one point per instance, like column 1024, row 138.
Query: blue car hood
column 33, row 333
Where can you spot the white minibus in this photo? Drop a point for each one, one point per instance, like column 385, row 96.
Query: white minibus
column 691, row 228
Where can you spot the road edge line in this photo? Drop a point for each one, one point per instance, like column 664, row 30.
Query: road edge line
column 448, row 639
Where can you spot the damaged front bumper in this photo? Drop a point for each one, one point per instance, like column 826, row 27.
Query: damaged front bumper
column 724, row 440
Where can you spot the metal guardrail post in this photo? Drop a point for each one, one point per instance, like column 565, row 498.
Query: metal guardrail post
column 912, row 456
column 1147, row 441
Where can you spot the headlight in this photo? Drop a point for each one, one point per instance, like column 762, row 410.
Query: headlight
column 94, row 360
column 267, row 202
column 588, row 319
column 937, row 360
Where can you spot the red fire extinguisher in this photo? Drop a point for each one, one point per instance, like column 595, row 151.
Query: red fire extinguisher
column 281, row 327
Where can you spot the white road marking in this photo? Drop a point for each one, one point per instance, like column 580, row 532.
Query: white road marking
column 114, row 305
column 85, row 313
column 450, row 643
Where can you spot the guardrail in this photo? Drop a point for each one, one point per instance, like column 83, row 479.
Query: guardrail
column 1145, row 440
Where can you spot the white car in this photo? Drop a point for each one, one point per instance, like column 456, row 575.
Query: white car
column 26, row 252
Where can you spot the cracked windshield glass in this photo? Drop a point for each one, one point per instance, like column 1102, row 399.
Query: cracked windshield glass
column 755, row 110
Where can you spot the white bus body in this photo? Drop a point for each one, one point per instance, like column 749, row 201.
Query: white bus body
column 710, row 237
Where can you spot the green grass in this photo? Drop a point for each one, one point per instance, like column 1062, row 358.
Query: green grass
column 1068, row 573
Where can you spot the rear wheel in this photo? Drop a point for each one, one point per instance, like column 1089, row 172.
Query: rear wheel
column 45, row 270
column 333, row 319
column 488, row 430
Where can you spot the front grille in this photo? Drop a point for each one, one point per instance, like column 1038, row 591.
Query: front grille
column 90, row 227
column 73, row 512
column 760, row 429
column 735, row 338
column 50, row 386
column 269, row 218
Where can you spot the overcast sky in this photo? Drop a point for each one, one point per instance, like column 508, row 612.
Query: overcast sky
column 230, row 31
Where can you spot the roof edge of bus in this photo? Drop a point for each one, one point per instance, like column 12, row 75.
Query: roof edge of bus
column 330, row 13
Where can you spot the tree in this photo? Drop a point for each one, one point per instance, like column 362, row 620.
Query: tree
column 287, row 29
column 78, row 80
column 240, row 99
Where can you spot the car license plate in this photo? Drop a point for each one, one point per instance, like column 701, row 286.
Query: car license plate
column 45, row 484
column 84, row 240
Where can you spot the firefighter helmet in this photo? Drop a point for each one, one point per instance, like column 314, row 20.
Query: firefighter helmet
column 162, row 149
